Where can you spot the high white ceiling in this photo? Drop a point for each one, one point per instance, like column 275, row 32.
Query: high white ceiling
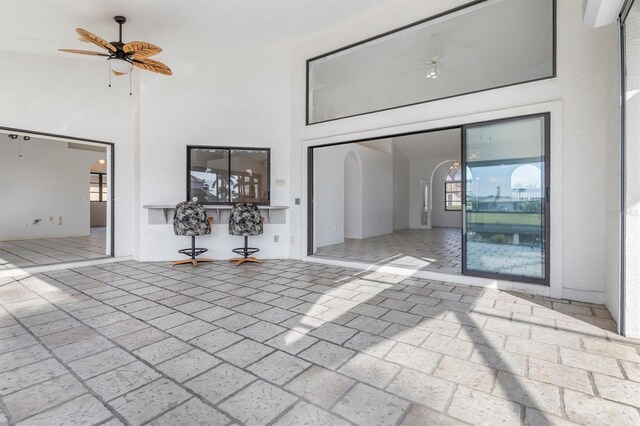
column 440, row 144
column 42, row 26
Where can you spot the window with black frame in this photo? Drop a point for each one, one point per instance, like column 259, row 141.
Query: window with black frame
column 453, row 189
column 220, row 175
column 98, row 187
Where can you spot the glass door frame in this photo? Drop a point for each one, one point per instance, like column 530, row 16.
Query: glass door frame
column 546, row 210
column 622, row 313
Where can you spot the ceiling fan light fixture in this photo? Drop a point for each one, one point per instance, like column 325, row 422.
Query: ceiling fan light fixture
column 120, row 65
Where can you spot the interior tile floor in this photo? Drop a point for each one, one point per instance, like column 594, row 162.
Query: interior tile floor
column 436, row 249
column 45, row 251
column 293, row 343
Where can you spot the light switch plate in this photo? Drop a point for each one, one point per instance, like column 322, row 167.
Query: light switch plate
column 281, row 182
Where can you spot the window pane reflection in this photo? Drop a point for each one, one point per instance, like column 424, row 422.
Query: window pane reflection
column 209, row 176
column 249, row 176
column 505, row 198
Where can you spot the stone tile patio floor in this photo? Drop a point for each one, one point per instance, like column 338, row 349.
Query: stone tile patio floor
column 46, row 251
column 292, row 343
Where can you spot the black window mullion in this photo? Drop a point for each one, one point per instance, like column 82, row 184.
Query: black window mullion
column 229, row 176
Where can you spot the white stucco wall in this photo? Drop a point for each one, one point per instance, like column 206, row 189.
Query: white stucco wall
column 400, row 190
column 377, row 195
column 70, row 96
column 423, row 169
column 49, row 182
column 576, row 99
column 237, row 97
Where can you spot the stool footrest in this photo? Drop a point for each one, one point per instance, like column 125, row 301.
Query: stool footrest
column 245, row 251
column 193, row 252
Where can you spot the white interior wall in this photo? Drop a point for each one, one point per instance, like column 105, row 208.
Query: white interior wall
column 352, row 196
column 422, row 169
column 377, row 192
column 328, row 175
column 579, row 102
column 377, row 197
column 49, row 182
column 400, row 189
column 69, row 96
column 98, row 213
column 238, row 95
column 439, row 216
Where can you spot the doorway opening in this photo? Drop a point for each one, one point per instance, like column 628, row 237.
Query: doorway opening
column 61, row 192
column 393, row 193
column 470, row 200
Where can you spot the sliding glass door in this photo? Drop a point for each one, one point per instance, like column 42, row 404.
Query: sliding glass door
column 506, row 189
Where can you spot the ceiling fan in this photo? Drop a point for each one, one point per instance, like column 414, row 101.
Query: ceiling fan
column 122, row 57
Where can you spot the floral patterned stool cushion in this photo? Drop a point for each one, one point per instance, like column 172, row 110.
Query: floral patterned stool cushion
column 190, row 219
column 245, row 220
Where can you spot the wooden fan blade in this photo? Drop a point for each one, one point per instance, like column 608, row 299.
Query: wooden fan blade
column 118, row 73
column 141, row 49
column 153, row 66
column 84, row 52
column 95, row 39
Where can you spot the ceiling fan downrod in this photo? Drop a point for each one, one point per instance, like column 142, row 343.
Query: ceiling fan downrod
column 120, row 20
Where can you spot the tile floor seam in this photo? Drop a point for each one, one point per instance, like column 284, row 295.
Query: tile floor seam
column 58, row 405
column 109, row 420
column 232, row 419
column 563, row 408
column 623, row 372
column 291, row 379
column 395, row 376
column 5, row 410
column 23, row 365
column 523, row 414
column 404, row 414
column 283, row 413
column 340, row 397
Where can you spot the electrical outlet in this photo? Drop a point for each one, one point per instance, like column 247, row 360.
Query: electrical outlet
column 292, row 241
column 276, row 238
column 297, row 201
column 336, row 227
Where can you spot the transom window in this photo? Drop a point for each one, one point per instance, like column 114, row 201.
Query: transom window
column 453, row 190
